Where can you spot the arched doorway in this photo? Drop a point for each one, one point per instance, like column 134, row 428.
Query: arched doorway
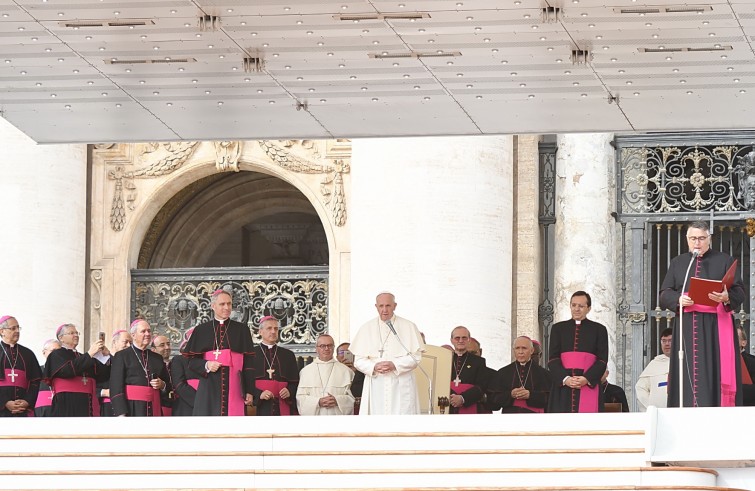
column 251, row 234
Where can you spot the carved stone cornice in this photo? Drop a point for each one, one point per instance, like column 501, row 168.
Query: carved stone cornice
column 331, row 185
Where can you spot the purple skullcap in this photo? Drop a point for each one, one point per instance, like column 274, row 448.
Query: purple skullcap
column 136, row 321
column 5, row 318
column 118, row 332
column 267, row 318
column 535, row 341
column 60, row 329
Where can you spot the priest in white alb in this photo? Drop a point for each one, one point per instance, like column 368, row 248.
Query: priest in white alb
column 325, row 384
column 387, row 349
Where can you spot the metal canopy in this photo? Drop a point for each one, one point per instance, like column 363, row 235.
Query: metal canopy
column 137, row 70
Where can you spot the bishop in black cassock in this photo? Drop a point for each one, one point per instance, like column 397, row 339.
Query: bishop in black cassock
column 522, row 386
column 185, row 389
column 220, row 353
column 73, row 376
column 276, row 374
column 19, row 372
column 468, row 375
column 138, row 376
column 577, row 358
column 712, row 367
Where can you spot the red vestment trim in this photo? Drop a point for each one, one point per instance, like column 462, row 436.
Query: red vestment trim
column 472, row 409
column 20, row 376
column 77, row 385
column 44, row 399
column 275, row 387
column 145, row 394
column 588, row 396
column 726, row 351
column 235, row 362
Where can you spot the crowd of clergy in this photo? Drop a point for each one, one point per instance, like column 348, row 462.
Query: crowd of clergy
column 220, row 371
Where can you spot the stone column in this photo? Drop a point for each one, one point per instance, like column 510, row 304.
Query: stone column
column 43, row 225
column 527, row 268
column 432, row 222
column 585, row 231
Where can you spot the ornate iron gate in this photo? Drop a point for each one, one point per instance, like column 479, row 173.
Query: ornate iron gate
column 665, row 181
column 175, row 300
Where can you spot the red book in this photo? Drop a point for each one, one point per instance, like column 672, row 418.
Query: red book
column 699, row 288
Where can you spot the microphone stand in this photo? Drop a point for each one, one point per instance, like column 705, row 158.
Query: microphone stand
column 431, row 409
column 695, row 253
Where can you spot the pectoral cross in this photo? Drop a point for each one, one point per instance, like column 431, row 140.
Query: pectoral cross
column 84, row 379
column 216, row 353
column 270, row 371
column 457, row 381
column 381, row 351
column 13, row 375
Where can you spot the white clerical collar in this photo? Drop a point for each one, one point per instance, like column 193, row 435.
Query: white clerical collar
column 270, row 346
column 8, row 344
column 578, row 322
column 460, row 354
column 525, row 363
column 222, row 321
column 323, row 361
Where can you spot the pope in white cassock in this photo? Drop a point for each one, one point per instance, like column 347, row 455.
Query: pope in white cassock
column 325, row 384
column 388, row 360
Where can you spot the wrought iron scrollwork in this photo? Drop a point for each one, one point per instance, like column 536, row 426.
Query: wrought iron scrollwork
column 174, row 305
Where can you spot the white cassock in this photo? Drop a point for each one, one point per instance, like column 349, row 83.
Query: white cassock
column 320, row 378
column 652, row 384
column 395, row 392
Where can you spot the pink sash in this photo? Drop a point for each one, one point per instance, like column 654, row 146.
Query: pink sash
column 145, row 394
column 726, row 351
column 275, row 387
column 20, row 376
column 235, row 362
column 193, row 382
column 471, row 409
column 77, row 385
column 44, row 399
column 588, row 396
column 523, row 404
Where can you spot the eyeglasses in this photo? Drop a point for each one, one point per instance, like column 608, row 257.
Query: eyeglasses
column 14, row 328
column 326, row 346
column 460, row 338
column 74, row 333
column 698, row 239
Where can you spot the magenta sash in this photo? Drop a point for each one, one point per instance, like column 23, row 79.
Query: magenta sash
column 725, row 350
column 145, row 394
column 77, row 385
column 44, row 399
column 167, row 411
column 588, row 396
column 193, row 382
column 471, row 409
column 20, row 376
column 275, row 387
column 235, row 362
column 523, row 404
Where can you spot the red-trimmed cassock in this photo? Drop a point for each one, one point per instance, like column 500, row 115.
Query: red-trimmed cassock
column 711, row 348
column 73, row 377
column 530, row 376
column 130, row 391
column 274, row 369
column 468, row 379
column 19, row 378
column 185, row 389
column 221, row 393
column 577, row 348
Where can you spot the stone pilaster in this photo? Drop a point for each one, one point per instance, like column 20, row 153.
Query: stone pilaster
column 585, row 243
column 432, row 222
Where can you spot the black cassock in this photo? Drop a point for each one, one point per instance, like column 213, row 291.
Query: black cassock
column 215, row 387
column 471, row 370
column 132, row 366
column 184, row 393
column 567, row 336
column 702, row 386
column 614, row 393
column 283, row 361
column 532, row 377
column 18, row 358
column 43, row 408
column 67, row 364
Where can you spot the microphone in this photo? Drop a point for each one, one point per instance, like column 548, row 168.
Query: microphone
column 680, row 354
column 390, row 326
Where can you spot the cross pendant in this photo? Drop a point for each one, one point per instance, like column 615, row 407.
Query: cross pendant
column 13, row 375
column 457, row 381
column 84, row 379
column 270, row 371
column 216, row 353
column 381, row 353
